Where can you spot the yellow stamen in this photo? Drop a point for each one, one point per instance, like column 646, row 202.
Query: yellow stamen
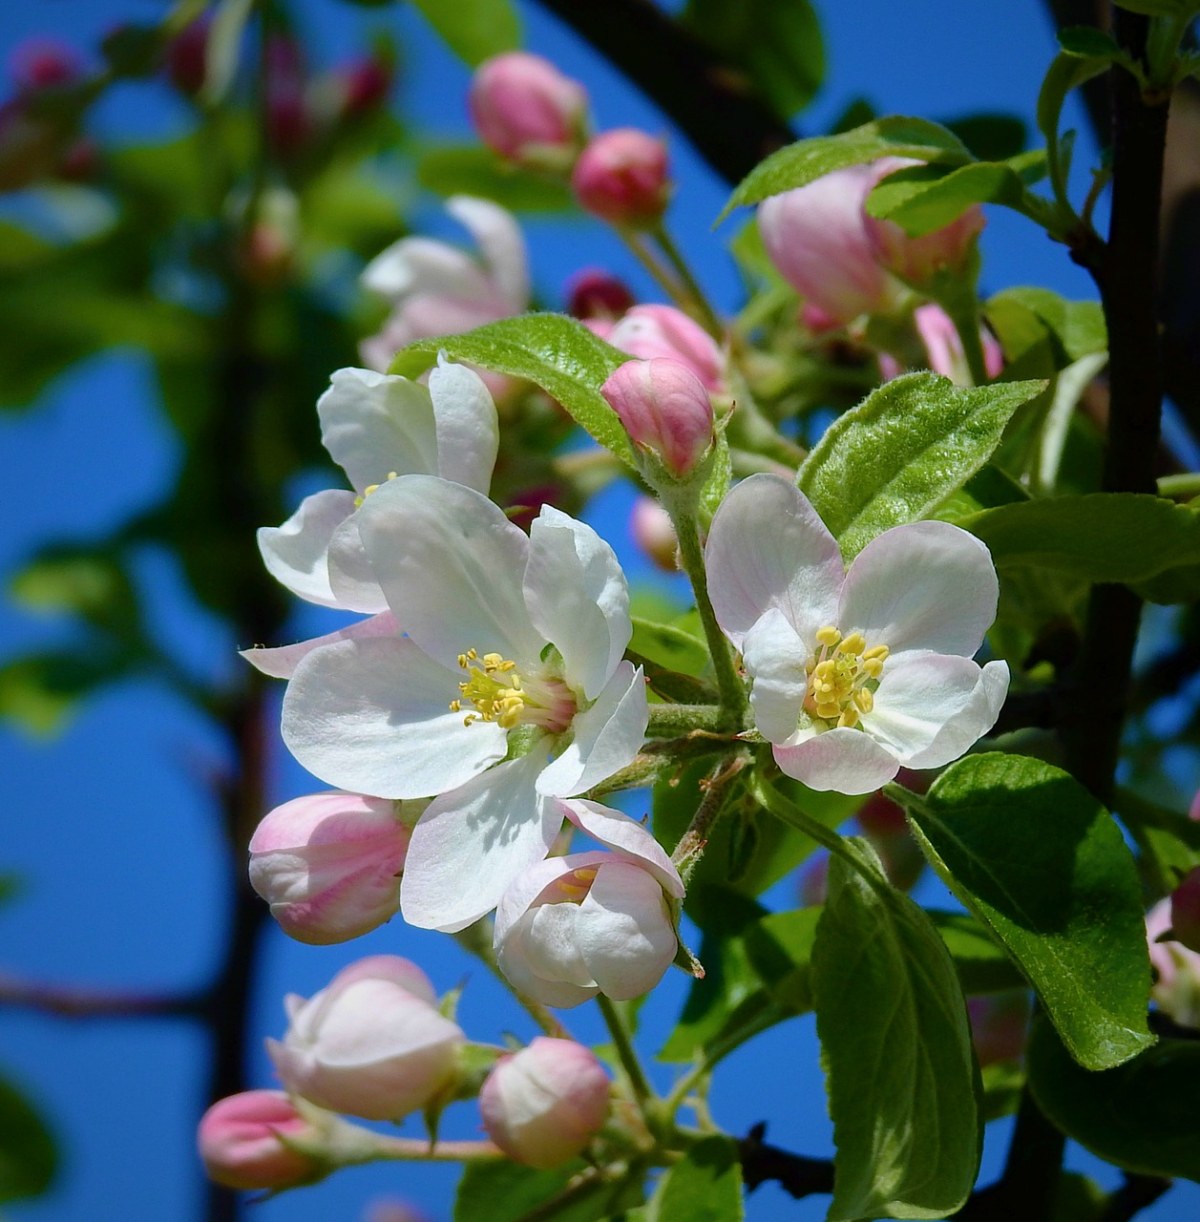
column 828, row 636
column 842, row 676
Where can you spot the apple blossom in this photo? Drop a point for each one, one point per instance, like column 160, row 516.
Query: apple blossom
column 526, row 110
column 239, row 1141
column 943, row 346
column 543, row 1104
column 1176, row 986
column 622, row 177
column 437, row 289
column 376, row 427
column 854, row 673
column 592, row 922
column 1185, row 910
column 329, row 865
column 665, row 409
column 507, row 688
column 653, row 330
column 372, row 1043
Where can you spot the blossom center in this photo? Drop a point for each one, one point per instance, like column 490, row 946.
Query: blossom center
column 366, row 492
column 497, row 692
column 842, row 677
column 573, row 888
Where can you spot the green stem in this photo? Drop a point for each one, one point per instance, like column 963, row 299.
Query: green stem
column 626, row 1053
column 691, row 844
column 673, row 719
column 1179, row 487
column 416, row 1149
column 729, row 683
column 696, row 303
column 636, row 245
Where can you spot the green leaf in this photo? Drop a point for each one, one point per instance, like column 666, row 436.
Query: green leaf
column 1085, row 41
column 1024, row 316
column 504, row 1191
column 557, row 353
column 807, row 160
column 474, row 30
column 1102, row 537
column 776, row 42
column 89, row 582
column 1069, row 913
column 1066, row 73
column 1140, row 1115
column 896, row 1046
column 923, row 198
column 779, row 947
column 669, row 646
column 902, row 451
column 1159, row 8
column 982, row 964
column 704, row 1186
column 28, row 1157
column 470, row 169
column 40, row 691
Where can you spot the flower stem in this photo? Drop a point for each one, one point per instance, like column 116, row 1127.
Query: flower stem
column 626, row 1053
column 671, row 719
column 691, row 844
column 658, row 273
column 695, row 301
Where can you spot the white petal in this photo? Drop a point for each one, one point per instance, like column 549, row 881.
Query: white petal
column 351, row 577
column 295, row 554
column 500, row 242
column 373, row 424
column 848, row 761
column 775, row 658
column 626, row 836
column 927, row 585
column 281, row 661
column 623, row 933
column 373, row 716
column 470, row 844
column 977, row 717
column 577, row 598
column 532, row 884
column 451, row 565
column 513, row 958
column 424, row 265
column 551, row 950
column 468, row 430
column 607, row 737
column 768, row 548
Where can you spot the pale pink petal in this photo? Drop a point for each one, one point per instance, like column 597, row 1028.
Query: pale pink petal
column 471, row 843
column 626, row 836
column 451, row 565
column 499, row 239
column 281, row 661
column 577, row 598
column 768, row 548
column 607, row 737
column 513, row 958
column 468, row 430
column 537, row 881
column 775, row 660
column 296, row 553
column 977, row 717
column 847, row 761
column 373, row 716
column 550, row 945
column 427, row 265
column 927, row 585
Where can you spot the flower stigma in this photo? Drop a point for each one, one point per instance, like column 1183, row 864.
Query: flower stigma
column 496, row 690
column 842, row 677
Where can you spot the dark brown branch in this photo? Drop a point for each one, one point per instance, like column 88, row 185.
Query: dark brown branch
column 1138, row 1192
column 796, row 1174
column 712, row 101
column 80, row 1001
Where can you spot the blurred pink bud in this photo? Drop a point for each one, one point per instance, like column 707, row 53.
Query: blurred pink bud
column 329, row 865
column 542, row 1105
column 818, row 240
column 999, row 1024
column 526, row 110
column 814, row 882
column 1176, row 987
column 372, row 1043
column 651, row 527
column 239, row 1143
column 187, row 57
column 289, row 123
column 393, row 1209
column 916, row 260
column 1194, row 808
column 595, row 293
column 944, row 348
column 1185, row 911
column 81, row 162
column 665, row 408
column 364, row 85
column 44, row 63
column 647, row 331
column 621, row 177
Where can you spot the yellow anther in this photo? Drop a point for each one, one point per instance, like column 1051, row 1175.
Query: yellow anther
column 864, row 699
column 855, row 643
column 873, row 667
column 456, row 706
column 876, row 651
column 848, row 718
column 842, row 677
column 828, row 635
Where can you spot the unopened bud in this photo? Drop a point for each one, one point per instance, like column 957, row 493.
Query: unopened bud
column 944, row 349
column 1185, row 911
column 651, row 527
column 647, row 331
column 527, row 111
column 622, row 177
column 665, row 408
column 239, row 1141
column 329, row 865
column 595, row 293
column 542, row 1105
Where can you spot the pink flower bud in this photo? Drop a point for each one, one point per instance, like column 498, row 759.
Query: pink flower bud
column 542, row 1105
column 1194, row 808
column 187, row 57
column 595, row 293
column 916, row 260
column 371, row 1043
column 647, row 331
column 814, row 882
column 44, row 63
column 944, row 348
column 817, row 237
column 665, row 408
column 526, row 110
column 364, row 85
column 329, row 865
column 1185, row 911
column 621, row 177
column 238, row 1140
column 653, row 532
column 1176, row 969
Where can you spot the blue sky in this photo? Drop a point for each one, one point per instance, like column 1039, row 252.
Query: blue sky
column 107, row 825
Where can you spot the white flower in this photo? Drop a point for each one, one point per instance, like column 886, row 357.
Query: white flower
column 855, row 673
column 376, row 427
column 506, row 690
column 437, row 289
column 571, row 927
